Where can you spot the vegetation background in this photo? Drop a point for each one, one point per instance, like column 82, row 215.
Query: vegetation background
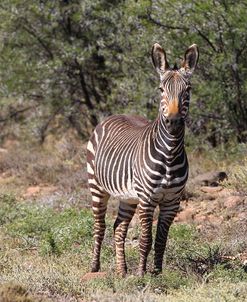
column 64, row 66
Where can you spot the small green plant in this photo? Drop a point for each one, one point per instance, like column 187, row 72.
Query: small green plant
column 11, row 292
column 7, row 208
column 50, row 231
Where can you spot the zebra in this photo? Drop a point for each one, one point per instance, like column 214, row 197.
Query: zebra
column 144, row 163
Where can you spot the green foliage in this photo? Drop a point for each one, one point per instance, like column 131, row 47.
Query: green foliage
column 198, row 258
column 85, row 60
column 229, row 272
column 50, row 231
column 7, row 214
column 219, row 28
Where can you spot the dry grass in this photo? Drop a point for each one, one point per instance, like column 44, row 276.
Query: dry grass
column 237, row 179
column 60, row 164
column 47, row 251
column 46, row 240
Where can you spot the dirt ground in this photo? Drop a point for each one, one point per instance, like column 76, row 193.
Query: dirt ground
column 58, row 171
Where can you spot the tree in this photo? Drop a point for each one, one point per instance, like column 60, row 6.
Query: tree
column 84, row 60
column 219, row 28
column 66, row 55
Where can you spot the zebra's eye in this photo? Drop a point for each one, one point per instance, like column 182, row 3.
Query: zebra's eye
column 161, row 89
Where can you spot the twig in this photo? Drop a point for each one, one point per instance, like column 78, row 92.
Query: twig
column 15, row 113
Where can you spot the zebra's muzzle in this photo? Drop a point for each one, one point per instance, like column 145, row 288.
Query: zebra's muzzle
column 174, row 124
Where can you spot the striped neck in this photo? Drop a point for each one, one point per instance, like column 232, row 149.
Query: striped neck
column 170, row 144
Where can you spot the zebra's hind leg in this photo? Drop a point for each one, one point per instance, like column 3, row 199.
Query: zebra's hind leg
column 125, row 213
column 146, row 212
column 99, row 211
column 166, row 216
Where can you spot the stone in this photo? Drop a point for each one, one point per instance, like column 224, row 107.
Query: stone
column 211, row 190
column 199, row 218
column 185, row 215
column 32, row 191
column 232, row 201
column 212, row 178
column 91, row 276
column 216, row 220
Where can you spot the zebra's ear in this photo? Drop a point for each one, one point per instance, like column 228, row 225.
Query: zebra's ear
column 159, row 59
column 191, row 57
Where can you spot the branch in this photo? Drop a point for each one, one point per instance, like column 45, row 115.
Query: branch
column 206, row 39
column 212, row 116
column 46, row 125
column 16, row 113
column 150, row 18
column 32, row 32
column 88, row 101
column 166, row 26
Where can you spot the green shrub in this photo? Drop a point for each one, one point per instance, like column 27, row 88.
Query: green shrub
column 38, row 226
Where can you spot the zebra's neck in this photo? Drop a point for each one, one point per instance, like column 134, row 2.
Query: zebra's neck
column 166, row 143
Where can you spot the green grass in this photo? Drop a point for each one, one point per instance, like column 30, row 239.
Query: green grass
column 48, row 251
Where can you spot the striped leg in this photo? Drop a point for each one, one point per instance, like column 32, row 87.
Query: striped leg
column 166, row 217
column 146, row 219
column 99, row 211
column 99, row 198
column 125, row 214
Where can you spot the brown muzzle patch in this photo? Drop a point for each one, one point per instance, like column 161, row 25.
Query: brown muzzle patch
column 173, row 108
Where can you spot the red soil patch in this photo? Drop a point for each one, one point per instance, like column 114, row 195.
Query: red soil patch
column 91, row 276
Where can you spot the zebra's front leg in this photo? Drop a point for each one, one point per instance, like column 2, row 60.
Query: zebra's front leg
column 166, row 216
column 125, row 214
column 99, row 212
column 146, row 212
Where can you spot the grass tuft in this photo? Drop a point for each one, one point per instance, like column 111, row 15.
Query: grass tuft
column 11, row 292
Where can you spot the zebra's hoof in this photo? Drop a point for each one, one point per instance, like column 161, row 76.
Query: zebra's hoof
column 156, row 271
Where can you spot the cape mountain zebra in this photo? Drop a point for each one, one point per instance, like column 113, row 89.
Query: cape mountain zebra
column 144, row 163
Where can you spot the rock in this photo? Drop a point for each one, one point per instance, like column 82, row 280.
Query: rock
column 242, row 216
column 185, row 215
column 216, row 220
column 39, row 190
column 32, row 191
column 232, row 201
column 91, row 276
column 211, row 179
column 199, row 218
column 226, row 192
column 211, row 190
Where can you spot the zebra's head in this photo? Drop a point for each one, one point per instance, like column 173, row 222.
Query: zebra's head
column 175, row 86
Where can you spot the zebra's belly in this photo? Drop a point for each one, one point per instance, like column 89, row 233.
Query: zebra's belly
column 166, row 194
column 127, row 194
column 163, row 190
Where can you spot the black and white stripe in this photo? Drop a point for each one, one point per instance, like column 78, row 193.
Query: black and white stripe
column 144, row 163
